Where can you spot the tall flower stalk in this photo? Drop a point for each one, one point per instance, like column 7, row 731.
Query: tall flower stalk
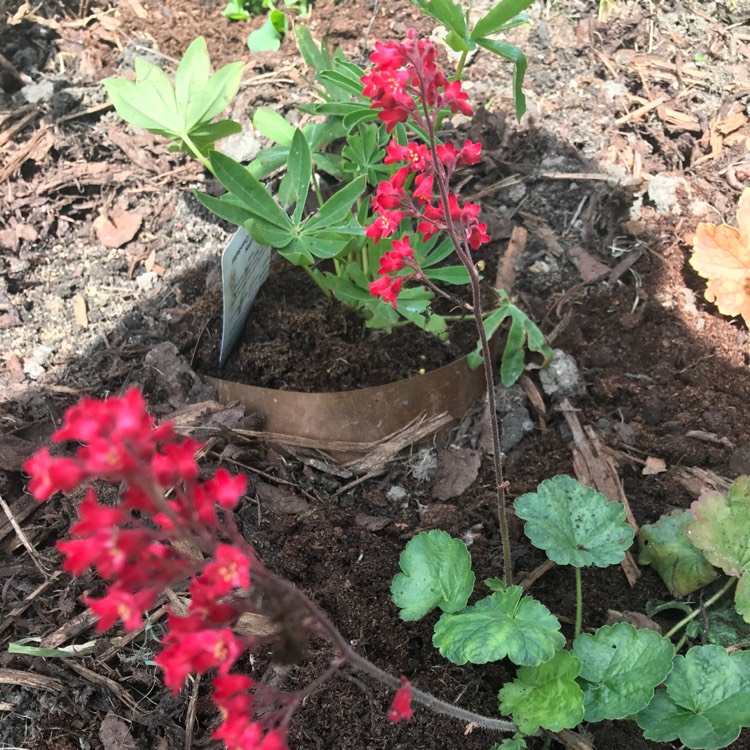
column 406, row 86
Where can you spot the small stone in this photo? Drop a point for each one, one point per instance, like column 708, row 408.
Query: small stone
column 38, row 92
column 41, row 354
column 561, row 378
column 33, row 370
column 396, row 493
column 147, row 281
column 242, row 147
column 513, row 427
column 739, row 463
column 652, row 412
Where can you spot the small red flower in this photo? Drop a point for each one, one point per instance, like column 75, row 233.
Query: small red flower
column 400, row 709
column 387, row 288
column 470, row 154
column 385, row 225
column 50, row 475
column 120, row 604
column 456, row 99
column 395, row 259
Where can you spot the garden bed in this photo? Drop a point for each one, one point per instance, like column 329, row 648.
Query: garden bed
column 662, row 374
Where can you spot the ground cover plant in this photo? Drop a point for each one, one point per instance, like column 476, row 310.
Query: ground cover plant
column 701, row 698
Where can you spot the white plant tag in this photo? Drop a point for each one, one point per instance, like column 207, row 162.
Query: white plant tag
column 244, row 268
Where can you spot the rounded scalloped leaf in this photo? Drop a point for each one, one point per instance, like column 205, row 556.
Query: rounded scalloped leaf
column 721, row 530
column 620, row 667
column 666, row 547
column 706, row 703
column 545, row 696
column 574, row 524
column 504, row 624
column 436, row 573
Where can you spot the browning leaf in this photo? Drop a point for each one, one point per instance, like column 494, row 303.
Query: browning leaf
column 721, row 254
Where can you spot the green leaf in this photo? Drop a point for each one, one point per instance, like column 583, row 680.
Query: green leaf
column 516, row 742
column 361, row 115
column 177, row 111
column 505, row 624
column 449, row 13
column 249, row 191
column 269, row 234
column 314, row 56
column 545, row 696
column 720, row 625
column 235, row 10
column 436, row 572
column 298, row 173
column 620, row 667
column 706, row 702
column 448, row 275
column 230, row 212
column 498, row 17
column 721, row 529
column 192, row 74
column 204, row 137
column 272, row 125
column 666, row 547
column 298, row 252
column 521, row 327
column 574, row 524
column 351, row 85
column 265, row 39
column 509, row 52
column 338, row 207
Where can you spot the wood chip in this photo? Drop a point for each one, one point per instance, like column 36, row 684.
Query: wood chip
column 80, row 313
column 118, row 228
column 595, row 468
column 653, row 466
column 30, row 680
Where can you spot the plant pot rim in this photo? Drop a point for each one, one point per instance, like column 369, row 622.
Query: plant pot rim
column 356, row 421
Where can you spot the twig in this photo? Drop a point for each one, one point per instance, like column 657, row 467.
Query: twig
column 24, row 539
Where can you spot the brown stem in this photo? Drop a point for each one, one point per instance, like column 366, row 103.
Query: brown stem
column 326, row 628
column 440, row 181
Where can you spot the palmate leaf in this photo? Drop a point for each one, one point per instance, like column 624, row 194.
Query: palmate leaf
column 545, row 696
column 574, row 524
column 505, row 624
column 436, row 572
column 721, row 530
column 523, row 331
column 665, row 546
column 706, row 702
column 178, row 111
column 620, row 667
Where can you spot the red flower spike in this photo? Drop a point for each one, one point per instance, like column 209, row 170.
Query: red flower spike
column 400, row 709
column 390, row 55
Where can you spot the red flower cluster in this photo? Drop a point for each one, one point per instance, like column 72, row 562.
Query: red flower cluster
column 406, row 73
column 129, row 545
column 404, row 84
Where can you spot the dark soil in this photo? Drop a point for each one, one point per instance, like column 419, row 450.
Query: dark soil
column 663, row 374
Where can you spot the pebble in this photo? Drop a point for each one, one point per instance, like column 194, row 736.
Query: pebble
column 739, row 463
column 561, row 378
column 396, row 493
column 147, row 281
column 33, row 370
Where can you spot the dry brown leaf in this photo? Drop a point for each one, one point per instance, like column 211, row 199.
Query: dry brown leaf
column 721, row 254
column 653, row 466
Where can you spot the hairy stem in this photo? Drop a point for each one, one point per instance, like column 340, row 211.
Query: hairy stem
column 327, row 629
column 579, row 603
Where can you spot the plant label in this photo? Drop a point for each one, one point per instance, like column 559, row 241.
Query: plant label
column 244, row 268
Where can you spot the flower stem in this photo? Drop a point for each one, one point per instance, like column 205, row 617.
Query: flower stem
column 327, row 629
column 579, row 603
column 708, row 603
column 464, row 256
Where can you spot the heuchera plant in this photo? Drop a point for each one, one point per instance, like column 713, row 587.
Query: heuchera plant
column 168, row 526
column 701, row 698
